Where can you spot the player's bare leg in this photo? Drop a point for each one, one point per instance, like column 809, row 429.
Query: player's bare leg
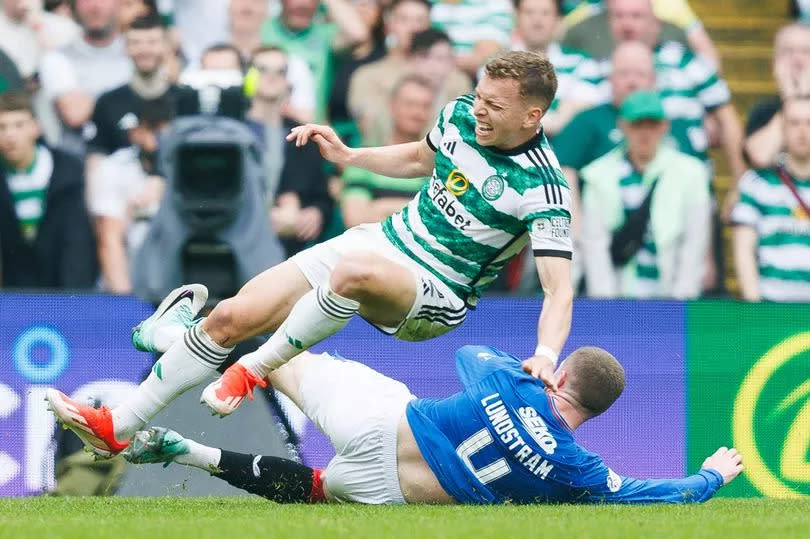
column 260, row 306
column 381, row 291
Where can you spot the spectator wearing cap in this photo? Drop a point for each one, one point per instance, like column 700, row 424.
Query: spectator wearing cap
column 645, row 211
column 791, row 70
column 124, row 193
column 693, row 93
column 47, row 241
column 772, row 217
column 300, row 33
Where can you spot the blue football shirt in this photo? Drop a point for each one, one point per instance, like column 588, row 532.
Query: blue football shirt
column 502, row 440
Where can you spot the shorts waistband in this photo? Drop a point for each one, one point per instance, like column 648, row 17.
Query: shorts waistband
column 390, row 464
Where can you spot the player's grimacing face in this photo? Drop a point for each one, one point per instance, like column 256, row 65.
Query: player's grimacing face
column 500, row 112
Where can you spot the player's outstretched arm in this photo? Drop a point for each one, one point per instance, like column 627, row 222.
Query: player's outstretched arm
column 555, row 318
column 717, row 470
column 409, row 160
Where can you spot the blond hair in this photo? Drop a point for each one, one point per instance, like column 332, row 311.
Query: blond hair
column 533, row 72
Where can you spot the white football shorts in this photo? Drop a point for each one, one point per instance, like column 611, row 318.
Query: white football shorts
column 436, row 310
column 359, row 410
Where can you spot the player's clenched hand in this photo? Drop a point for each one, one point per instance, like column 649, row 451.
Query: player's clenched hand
column 726, row 461
column 332, row 148
column 542, row 368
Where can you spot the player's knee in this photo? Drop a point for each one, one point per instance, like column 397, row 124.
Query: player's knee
column 222, row 324
column 355, row 275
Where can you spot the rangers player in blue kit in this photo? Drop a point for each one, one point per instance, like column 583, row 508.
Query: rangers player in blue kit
column 504, row 438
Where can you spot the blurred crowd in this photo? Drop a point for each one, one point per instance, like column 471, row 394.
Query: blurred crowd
column 114, row 114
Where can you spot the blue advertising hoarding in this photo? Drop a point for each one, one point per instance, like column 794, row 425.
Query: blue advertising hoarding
column 80, row 344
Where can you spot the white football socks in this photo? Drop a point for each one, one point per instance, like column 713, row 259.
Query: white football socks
column 187, row 362
column 317, row 315
column 200, row 456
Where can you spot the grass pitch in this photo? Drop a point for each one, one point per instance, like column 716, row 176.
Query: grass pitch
column 232, row 518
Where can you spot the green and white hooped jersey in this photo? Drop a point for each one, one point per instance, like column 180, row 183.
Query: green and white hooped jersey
column 783, row 229
column 482, row 205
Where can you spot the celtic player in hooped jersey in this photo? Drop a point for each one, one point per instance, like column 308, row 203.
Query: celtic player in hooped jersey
column 495, row 185
column 473, row 215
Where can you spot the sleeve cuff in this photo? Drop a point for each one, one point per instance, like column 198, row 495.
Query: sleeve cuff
column 430, row 143
column 553, row 253
column 712, row 474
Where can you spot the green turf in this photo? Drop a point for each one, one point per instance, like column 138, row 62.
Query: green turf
column 232, row 518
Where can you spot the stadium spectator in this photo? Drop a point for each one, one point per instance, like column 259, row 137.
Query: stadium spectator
column 370, row 86
column 645, row 211
column 115, row 113
column 297, row 31
column 538, row 23
column 772, row 218
column 246, row 18
column 295, row 178
column 124, row 193
column 791, row 70
column 800, row 9
column 221, row 56
column 588, row 24
column 369, row 197
column 216, row 86
column 595, row 131
column 73, row 76
column 47, row 241
column 10, row 78
column 622, row 20
column 690, row 87
column 196, row 25
column 132, row 10
column 431, row 57
column 368, row 52
column 26, row 32
column 58, row 7
column 478, row 29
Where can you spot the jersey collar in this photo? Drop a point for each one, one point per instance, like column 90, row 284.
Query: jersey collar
column 557, row 415
column 533, row 142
